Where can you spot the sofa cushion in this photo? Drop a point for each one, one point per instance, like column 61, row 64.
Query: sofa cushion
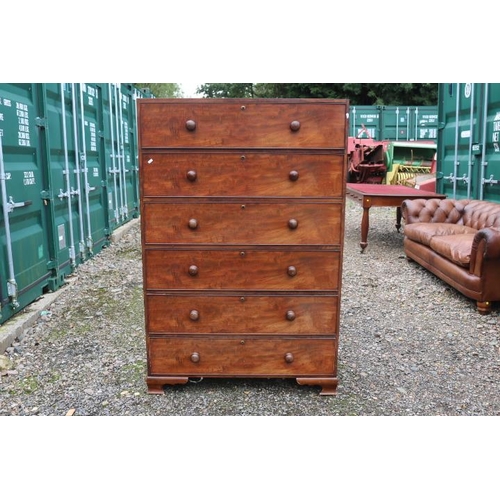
column 423, row 232
column 455, row 247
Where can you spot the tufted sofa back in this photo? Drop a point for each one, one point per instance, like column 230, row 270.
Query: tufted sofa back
column 480, row 214
column 476, row 214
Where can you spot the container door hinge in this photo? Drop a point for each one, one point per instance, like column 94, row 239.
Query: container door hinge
column 41, row 122
column 12, row 291
column 51, row 264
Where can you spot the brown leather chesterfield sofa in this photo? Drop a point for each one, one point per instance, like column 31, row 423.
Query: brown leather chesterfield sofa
column 458, row 241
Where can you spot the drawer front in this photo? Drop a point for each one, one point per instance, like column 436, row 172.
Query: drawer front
column 243, row 223
column 241, row 356
column 242, row 174
column 241, row 269
column 242, row 123
column 292, row 315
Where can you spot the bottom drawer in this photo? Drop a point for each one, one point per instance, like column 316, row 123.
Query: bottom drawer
column 242, row 356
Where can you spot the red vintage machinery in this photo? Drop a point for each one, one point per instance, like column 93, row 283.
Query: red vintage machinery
column 366, row 159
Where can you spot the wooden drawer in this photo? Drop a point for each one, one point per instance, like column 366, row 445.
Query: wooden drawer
column 241, row 269
column 241, row 356
column 242, row 174
column 239, row 314
column 246, row 222
column 242, row 123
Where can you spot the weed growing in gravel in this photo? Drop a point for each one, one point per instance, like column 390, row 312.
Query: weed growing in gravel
column 134, row 372
column 29, row 385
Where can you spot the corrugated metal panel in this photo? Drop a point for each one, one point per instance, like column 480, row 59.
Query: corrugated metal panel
column 468, row 154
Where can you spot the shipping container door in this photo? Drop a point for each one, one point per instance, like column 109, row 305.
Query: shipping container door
column 114, row 146
column 93, row 166
column 65, row 179
column 128, row 118
column 425, row 123
column 364, row 122
column 468, row 141
column 26, row 261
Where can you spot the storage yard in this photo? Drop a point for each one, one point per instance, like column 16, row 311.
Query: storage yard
column 70, row 168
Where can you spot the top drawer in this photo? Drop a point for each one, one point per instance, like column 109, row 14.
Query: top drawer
column 237, row 123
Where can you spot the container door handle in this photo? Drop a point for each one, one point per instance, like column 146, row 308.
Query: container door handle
column 11, row 205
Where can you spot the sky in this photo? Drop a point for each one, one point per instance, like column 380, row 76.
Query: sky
column 189, row 89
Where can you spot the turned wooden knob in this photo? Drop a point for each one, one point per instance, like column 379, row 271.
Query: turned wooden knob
column 194, row 315
column 193, row 270
column 191, row 175
column 290, row 315
column 289, row 357
column 295, row 125
column 190, row 125
column 193, row 223
column 292, row 270
column 293, row 223
column 293, row 175
column 195, row 357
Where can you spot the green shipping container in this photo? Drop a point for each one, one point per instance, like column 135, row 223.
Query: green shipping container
column 394, row 123
column 69, row 178
column 468, row 147
column 27, row 259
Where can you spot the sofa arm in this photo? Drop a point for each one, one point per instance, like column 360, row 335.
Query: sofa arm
column 433, row 210
column 485, row 246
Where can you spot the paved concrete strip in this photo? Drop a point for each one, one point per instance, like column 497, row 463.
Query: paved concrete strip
column 15, row 327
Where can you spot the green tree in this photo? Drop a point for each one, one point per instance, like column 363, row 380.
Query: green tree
column 217, row 90
column 162, row 89
column 383, row 94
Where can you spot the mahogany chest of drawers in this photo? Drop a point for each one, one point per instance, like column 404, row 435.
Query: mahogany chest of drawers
column 242, row 220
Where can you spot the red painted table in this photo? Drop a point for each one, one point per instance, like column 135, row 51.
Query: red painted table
column 383, row 195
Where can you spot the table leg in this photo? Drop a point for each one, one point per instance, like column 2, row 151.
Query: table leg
column 398, row 218
column 365, row 224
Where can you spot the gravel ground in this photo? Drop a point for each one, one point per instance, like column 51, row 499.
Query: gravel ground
column 409, row 346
